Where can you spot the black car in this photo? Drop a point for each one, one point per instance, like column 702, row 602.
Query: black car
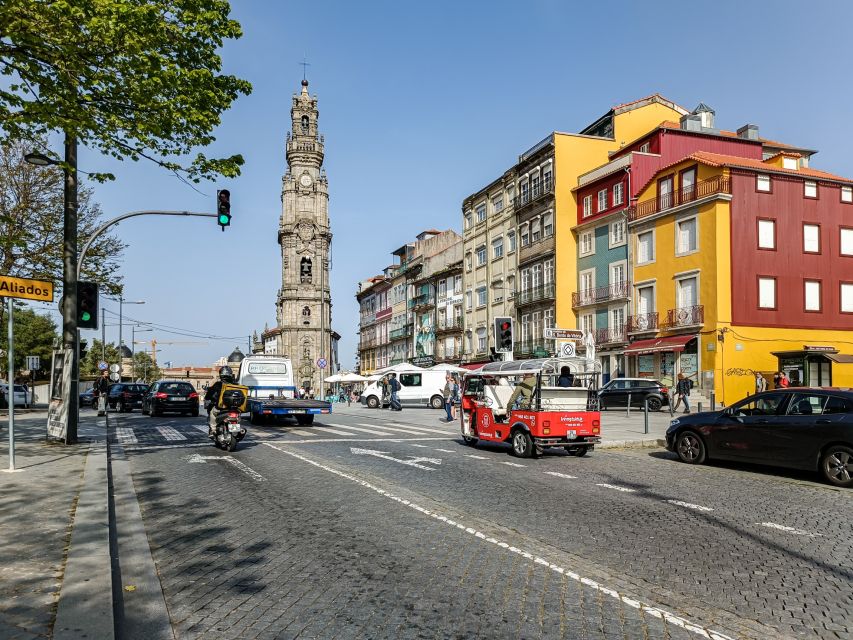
column 799, row 428
column 617, row 392
column 126, row 396
column 87, row 398
column 170, row 395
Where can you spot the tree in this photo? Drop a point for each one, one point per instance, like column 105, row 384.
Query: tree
column 131, row 78
column 144, row 368
column 94, row 354
column 35, row 335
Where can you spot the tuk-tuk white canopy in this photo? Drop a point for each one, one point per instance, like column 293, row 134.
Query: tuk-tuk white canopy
column 545, row 366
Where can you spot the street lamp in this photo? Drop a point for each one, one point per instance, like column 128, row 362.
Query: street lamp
column 133, row 331
column 122, row 302
column 39, row 159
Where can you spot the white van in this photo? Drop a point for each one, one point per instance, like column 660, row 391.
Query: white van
column 418, row 387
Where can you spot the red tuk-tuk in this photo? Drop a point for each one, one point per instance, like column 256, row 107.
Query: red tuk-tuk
column 559, row 409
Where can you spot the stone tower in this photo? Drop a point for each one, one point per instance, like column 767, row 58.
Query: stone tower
column 304, row 305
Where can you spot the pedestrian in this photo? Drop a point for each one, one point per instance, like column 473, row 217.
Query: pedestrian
column 567, row 378
column 101, row 387
column 784, row 383
column 776, row 380
column 394, row 385
column 760, row 383
column 386, row 391
column 455, row 396
column 447, row 392
column 682, row 391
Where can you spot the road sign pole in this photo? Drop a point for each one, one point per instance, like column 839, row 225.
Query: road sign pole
column 11, row 387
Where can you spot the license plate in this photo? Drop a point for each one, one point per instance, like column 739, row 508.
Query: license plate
column 571, row 435
column 174, row 398
column 298, row 411
column 234, row 427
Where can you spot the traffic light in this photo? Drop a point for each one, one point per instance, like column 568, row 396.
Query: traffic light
column 223, row 208
column 503, row 335
column 87, row 305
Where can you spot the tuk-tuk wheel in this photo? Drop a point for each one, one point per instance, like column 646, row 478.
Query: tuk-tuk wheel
column 580, row 452
column 469, row 440
column 522, row 444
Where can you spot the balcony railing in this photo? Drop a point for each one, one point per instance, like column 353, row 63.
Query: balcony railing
column 445, row 325
column 530, row 347
column 397, row 361
column 535, row 192
column 535, row 294
column 643, row 322
column 606, row 293
column 403, row 332
column 611, row 335
column 713, row 186
column 422, row 300
column 684, row 317
column 449, row 355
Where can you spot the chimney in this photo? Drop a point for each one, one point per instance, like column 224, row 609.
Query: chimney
column 691, row 122
column 748, row 132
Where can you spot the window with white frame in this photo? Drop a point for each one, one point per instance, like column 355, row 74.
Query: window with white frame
column 536, row 325
column 510, row 241
column 602, row 200
column 811, row 238
column 498, row 247
column 810, row 189
column 524, row 192
column 547, row 225
column 645, row 247
column 468, row 220
column 790, row 163
column 548, row 319
column 442, row 289
column 846, row 297
column 812, row 295
column 469, row 299
column 767, row 293
column 617, row 233
column 548, row 271
column 645, row 300
column 525, row 328
column 468, row 261
column 766, row 234
column 481, row 296
column 481, row 212
column 534, row 185
column 587, row 284
column 846, row 194
column 498, row 203
column 687, row 292
column 762, row 182
column 587, row 243
column 587, row 206
column 846, row 242
column 457, row 286
column 482, row 338
column 525, row 279
column 524, row 232
column 535, row 230
column 481, row 255
column 546, row 179
column 686, row 241
column 617, row 318
column 644, row 148
column 618, row 193
column 587, row 323
column 617, row 273
column 536, row 275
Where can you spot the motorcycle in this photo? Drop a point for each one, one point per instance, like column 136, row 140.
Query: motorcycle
column 229, row 431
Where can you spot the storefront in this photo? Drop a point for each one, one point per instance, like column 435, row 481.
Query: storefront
column 664, row 358
column 815, row 366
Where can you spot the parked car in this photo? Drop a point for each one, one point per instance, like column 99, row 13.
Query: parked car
column 798, row 428
column 87, row 399
column 616, row 393
column 418, row 387
column 22, row 397
column 170, row 395
column 126, row 396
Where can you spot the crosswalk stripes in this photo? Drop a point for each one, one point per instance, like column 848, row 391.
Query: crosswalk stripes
column 125, row 435
column 375, row 432
column 398, row 429
column 170, row 434
column 423, row 429
column 302, row 432
column 326, row 429
column 202, row 427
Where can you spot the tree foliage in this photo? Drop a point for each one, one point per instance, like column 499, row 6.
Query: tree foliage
column 34, row 336
column 31, row 215
column 131, row 78
column 142, row 367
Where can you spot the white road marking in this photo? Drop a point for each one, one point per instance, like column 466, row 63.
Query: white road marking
column 690, row 505
column 655, row 612
column 383, row 454
column 254, row 475
column 512, row 464
column 445, row 450
column 170, row 434
column 191, row 445
column 561, row 475
column 471, row 455
column 302, row 432
column 791, row 530
column 337, row 432
column 372, row 440
column 375, row 432
column 422, row 446
column 618, row 488
column 423, row 429
column 397, row 429
column 203, row 428
column 125, row 435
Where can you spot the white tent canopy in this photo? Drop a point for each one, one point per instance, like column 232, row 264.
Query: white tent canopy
column 397, row 368
column 351, row 377
column 334, row 378
column 452, row 368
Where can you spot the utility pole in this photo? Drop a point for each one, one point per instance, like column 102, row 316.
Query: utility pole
column 70, row 335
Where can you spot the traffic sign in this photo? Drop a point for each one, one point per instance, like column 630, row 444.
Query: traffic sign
column 33, row 363
column 321, row 362
column 114, row 368
column 566, row 349
column 25, row 288
column 115, row 377
column 552, row 333
column 102, row 366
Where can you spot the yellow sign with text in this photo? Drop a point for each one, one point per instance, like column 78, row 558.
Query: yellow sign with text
column 25, row 288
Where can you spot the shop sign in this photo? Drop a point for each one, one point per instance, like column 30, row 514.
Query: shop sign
column 646, row 365
column 815, row 347
column 689, row 364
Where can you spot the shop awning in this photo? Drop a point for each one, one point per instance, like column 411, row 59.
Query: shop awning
column 840, row 358
column 670, row 343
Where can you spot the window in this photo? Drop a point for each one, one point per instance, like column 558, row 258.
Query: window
column 602, row 200
column 688, row 292
column 790, row 163
column 523, row 230
column 498, row 247
column 305, row 270
column 536, row 275
column 644, row 148
column 535, row 230
column 525, row 328
column 468, row 220
column 469, row 299
column 811, row 238
column 767, row 405
column 762, row 182
column 766, row 293
column 457, row 286
column 587, row 206
column 846, row 297
column 534, row 185
column 645, row 300
column 410, row 379
column 617, row 273
column 525, row 279
column 481, row 212
column 846, row 242
column 524, row 192
column 812, row 295
column 810, row 189
column 546, row 179
column 846, row 194
column 442, row 289
column 587, row 323
column 468, row 262
column 617, row 233
column 498, row 204
column 547, row 225
column 481, row 340
column 548, row 271
column 481, row 255
column 587, row 279
column 766, row 234
column 587, row 243
column 834, row 404
column 645, row 247
column 686, row 241
column 481, row 296
column 618, row 193
column 617, row 318
column 510, row 241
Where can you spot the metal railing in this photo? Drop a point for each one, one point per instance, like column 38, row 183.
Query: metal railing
column 601, row 294
column 609, row 335
column 452, row 354
column 535, row 294
column 444, row 324
column 529, row 347
column 403, row 332
column 712, row 186
column 535, row 192
column 422, row 300
column 643, row 322
column 684, row 317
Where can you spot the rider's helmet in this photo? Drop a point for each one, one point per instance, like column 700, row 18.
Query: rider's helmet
column 226, row 374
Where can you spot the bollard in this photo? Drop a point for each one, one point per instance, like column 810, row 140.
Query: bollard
column 713, row 402
column 646, row 415
column 628, row 407
column 699, row 406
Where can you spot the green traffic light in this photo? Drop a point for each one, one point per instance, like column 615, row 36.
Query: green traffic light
column 223, row 219
column 86, row 316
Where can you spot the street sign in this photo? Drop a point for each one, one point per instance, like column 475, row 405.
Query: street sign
column 25, row 288
column 566, row 349
column 552, row 333
column 33, row 363
column 114, row 368
column 321, row 362
column 115, row 377
column 102, row 366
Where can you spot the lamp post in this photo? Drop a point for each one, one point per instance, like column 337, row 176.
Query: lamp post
column 133, row 348
column 122, row 302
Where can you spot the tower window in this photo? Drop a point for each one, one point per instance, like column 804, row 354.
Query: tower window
column 304, row 124
column 305, row 271
column 306, row 315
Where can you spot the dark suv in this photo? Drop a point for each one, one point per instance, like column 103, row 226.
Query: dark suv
column 126, row 396
column 617, row 392
column 170, row 395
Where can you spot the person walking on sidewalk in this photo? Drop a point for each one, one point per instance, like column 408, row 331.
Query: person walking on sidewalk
column 102, row 386
column 394, row 385
column 682, row 391
column 450, row 392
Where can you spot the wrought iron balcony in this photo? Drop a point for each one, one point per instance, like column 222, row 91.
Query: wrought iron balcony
column 446, row 326
column 684, row 317
column 611, row 335
column 402, row 332
column 449, row 355
column 643, row 322
column 713, row 186
column 534, row 193
column 617, row 291
column 528, row 348
column 424, row 300
column 535, row 294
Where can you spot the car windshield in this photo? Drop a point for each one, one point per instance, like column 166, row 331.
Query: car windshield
column 176, row 388
column 137, row 388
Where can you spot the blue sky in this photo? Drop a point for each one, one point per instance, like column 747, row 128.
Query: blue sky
column 422, row 103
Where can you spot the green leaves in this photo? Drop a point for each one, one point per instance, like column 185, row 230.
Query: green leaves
column 131, row 78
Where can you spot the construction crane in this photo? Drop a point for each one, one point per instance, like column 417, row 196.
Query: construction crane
column 154, row 342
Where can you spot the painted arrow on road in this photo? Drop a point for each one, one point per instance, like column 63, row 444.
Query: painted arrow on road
column 254, row 475
column 413, row 462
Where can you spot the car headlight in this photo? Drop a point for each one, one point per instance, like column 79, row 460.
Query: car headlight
column 675, row 422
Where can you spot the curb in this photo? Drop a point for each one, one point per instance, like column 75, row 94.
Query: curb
column 652, row 443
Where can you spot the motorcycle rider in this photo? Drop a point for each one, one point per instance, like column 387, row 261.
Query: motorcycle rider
column 226, row 376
